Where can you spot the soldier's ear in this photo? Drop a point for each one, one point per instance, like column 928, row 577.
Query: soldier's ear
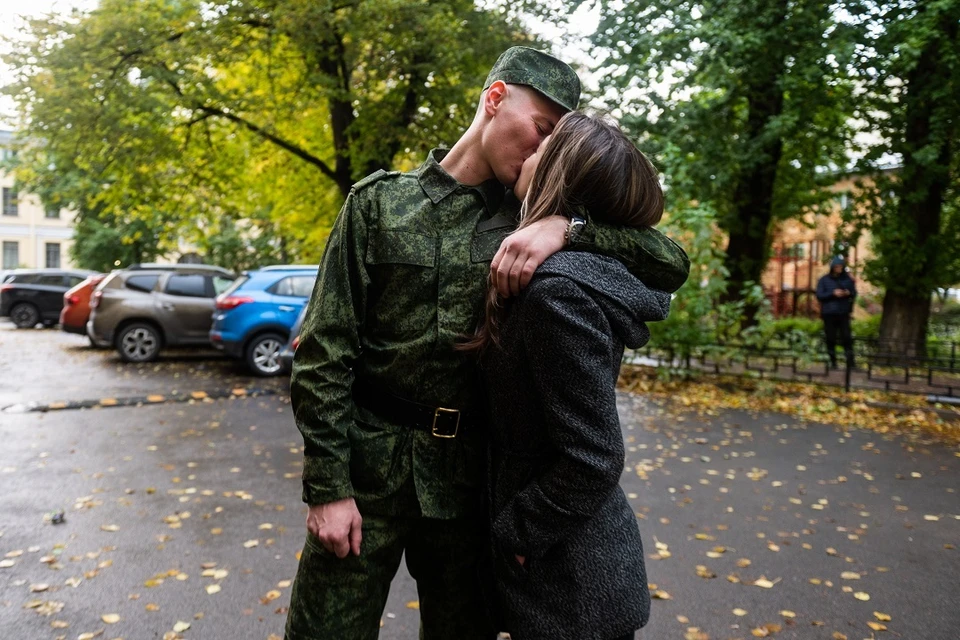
column 493, row 97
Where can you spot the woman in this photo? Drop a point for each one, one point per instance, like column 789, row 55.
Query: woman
column 568, row 561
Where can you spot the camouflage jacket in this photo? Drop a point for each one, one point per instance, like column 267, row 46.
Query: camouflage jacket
column 404, row 276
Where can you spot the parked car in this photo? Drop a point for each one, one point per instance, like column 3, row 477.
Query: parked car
column 254, row 317
column 139, row 311
column 290, row 349
column 31, row 296
column 76, row 305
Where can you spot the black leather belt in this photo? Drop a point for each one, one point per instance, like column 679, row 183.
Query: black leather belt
column 440, row 422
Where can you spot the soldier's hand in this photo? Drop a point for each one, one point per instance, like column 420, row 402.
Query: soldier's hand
column 337, row 526
column 522, row 252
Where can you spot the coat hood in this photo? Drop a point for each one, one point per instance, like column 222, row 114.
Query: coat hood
column 627, row 303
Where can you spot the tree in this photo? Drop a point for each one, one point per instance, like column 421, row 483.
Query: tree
column 742, row 104
column 909, row 69
column 192, row 111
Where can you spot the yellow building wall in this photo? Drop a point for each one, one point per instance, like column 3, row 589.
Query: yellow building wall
column 32, row 230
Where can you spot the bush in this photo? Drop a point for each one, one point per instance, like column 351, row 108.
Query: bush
column 868, row 328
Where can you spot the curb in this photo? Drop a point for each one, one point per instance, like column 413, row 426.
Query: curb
column 138, row 401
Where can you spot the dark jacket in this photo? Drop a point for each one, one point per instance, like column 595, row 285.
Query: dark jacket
column 557, row 453
column 830, row 304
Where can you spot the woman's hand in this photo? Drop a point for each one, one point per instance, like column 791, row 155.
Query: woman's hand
column 522, row 252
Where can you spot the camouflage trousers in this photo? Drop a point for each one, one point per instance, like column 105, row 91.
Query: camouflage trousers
column 343, row 599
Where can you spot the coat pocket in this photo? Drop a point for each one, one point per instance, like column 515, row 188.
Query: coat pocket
column 377, row 458
column 402, row 247
column 488, row 237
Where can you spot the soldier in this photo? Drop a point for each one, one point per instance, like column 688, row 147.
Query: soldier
column 391, row 414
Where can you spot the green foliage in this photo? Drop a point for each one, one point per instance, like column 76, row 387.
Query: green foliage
column 182, row 113
column 867, row 328
column 104, row 245
column 742, row 103
column 698, row 313
column 908, row 68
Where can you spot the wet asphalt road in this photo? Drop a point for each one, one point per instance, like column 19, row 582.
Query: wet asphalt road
column 155, row 496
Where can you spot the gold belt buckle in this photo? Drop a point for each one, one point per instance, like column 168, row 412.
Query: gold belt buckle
column 456, row 426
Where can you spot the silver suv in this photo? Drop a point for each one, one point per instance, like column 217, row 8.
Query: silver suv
column 143, row 309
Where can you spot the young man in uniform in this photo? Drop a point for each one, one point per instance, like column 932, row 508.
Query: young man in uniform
column 390, row 413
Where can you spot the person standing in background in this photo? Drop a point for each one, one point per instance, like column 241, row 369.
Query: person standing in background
column 836, row 292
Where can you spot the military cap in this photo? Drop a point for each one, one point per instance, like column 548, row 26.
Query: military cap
column 541, row 71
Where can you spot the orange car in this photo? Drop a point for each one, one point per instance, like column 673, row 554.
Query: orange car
column 76, row 305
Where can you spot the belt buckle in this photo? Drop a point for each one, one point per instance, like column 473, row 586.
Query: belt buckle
column 436, row 432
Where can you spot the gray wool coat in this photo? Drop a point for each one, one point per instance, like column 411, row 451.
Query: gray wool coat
column 557, row 453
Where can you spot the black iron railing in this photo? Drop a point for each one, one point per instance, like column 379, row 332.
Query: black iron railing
column 934, row 371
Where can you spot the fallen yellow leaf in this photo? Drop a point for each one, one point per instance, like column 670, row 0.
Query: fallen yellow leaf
column 876, row 626
column 110, row 618
column 882, row 617
column 739, row 612
column 788, row 614
column 213, row 588
column 860, row 595
column 181, row 626
column 413, row 604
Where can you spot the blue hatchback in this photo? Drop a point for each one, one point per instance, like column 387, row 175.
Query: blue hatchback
column 253, row 318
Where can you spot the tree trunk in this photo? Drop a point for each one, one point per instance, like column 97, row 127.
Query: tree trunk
column 748, row 223
column 928, row 126
column 903, row 328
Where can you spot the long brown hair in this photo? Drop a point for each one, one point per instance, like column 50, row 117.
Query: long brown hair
column 589, row 165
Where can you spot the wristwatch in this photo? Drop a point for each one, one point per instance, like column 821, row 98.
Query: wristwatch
column 574, row 228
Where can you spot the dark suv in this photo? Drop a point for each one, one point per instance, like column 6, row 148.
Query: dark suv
column 31, row 296
column 139, row 311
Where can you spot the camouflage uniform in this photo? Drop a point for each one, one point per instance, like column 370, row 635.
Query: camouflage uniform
column 403, row 277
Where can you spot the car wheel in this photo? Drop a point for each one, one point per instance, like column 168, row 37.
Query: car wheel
column 25, row 315
column 138, row 342
column 263, row 354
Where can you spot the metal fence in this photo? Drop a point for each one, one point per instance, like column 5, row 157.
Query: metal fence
column 888, row 366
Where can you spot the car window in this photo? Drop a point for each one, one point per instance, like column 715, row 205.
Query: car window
column 50, row 280
column 24, row 278
column 74, row 280
column 193, row 285
column 297, row 286
column 236, row 284
column 142, row 283
column 221, row 284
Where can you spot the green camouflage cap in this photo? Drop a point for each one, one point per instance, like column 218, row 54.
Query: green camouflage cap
column 548, row 75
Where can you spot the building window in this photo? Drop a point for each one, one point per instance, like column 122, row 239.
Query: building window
column 9, row 201
column 53, row 255
column 11, row 254
column 52, row 212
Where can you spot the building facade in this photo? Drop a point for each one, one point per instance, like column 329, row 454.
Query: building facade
column 31, row 236
column 801, row 250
